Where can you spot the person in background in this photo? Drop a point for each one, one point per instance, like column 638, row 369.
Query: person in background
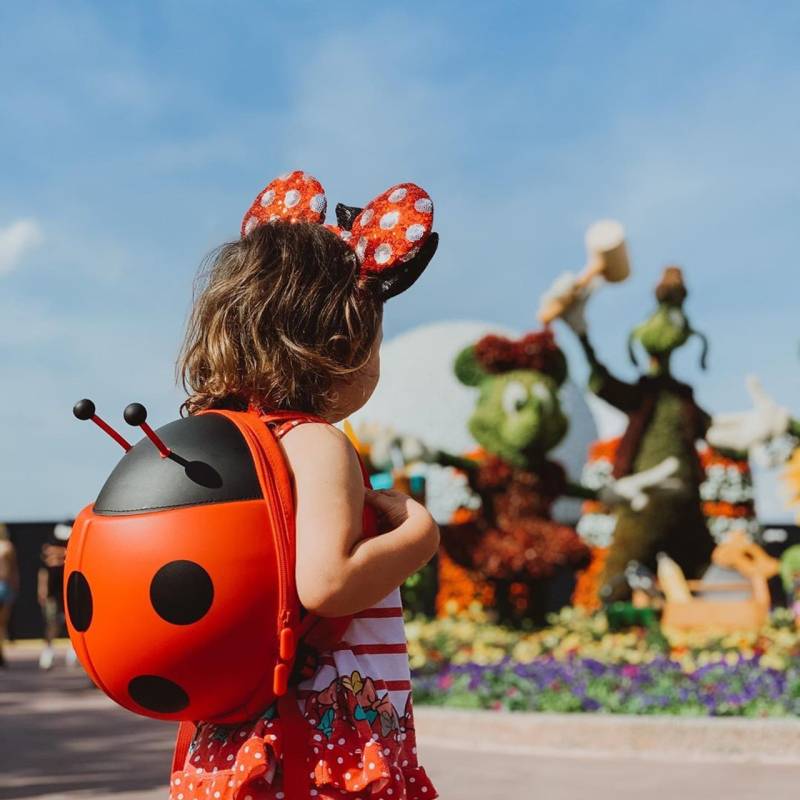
column 51, row 592
column 9, row 584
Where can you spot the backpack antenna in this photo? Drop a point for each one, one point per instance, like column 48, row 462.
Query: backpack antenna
column 136, row 414
column 85, row 409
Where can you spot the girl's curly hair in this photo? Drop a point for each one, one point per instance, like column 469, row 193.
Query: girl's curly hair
column 278, row 318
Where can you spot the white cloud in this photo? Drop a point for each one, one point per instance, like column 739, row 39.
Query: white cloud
column 15, row 240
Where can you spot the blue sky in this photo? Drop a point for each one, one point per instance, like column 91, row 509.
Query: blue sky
column 134, row 134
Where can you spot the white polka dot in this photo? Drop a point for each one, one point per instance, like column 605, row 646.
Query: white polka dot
column 329, row 746
column 177, row 781
column 347, row 776
column 267, row 198
column 278, row 796
column 397, row 195
column 390, row 791
column 340, row 760
column 389, row 220
column 258, row 755
column 345, row 235
column 230, row 757
column 424, row 205
column 217, row 794
column 248, row 797
column 386, row 751
column 313, row 792
column 383, row 253
column 230, row 784
column 341, row 741
column 250, row 224
column 180, row 796
column 317, row 737
column 318, row 203
column 361, row 248
column 273, row 217
column 291, row 198
column 415, row 232
column 366, row 216
column 371, row 765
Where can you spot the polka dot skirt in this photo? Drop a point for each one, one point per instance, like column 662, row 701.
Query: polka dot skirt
column 358, row 748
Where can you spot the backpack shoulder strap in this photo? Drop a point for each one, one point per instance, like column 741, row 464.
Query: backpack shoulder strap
column 185, row 735
column 281, row 422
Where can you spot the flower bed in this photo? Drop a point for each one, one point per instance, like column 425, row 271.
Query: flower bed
column 577, row 664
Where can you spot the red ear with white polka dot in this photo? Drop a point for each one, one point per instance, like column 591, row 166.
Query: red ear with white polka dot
column 392, row 229
column 293, row 197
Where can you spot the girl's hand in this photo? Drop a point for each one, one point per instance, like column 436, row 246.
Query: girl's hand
column 394, row 508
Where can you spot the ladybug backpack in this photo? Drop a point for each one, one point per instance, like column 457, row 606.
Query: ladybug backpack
column 179, row 579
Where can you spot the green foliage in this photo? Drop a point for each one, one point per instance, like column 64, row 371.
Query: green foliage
column 419, row 591
column 790, row 568
column 518, row 414
column 467, row 368
column 664, row 331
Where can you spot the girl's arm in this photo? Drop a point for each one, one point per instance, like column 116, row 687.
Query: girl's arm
column 338, row 571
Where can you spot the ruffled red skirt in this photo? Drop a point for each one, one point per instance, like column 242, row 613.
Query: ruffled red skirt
column 358, row 748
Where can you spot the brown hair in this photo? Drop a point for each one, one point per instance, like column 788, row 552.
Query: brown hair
column 278, row 317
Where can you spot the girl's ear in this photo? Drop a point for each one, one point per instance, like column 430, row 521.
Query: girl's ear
column 467, row 368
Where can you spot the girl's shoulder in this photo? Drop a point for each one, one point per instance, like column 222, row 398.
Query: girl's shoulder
column 317, row 449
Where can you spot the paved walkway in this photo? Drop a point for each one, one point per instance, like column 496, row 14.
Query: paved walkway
column 60, row 739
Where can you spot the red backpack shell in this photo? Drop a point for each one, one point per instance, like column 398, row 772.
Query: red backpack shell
column 179, row 579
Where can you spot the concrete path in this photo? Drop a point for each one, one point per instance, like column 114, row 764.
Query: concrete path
column 60, row 739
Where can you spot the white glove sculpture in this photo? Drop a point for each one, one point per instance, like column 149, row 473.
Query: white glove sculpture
column 569, row 293
column 744, row 430
column 636, row 489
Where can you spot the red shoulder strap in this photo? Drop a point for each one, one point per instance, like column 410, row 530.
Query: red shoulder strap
column 185, row 735
column 281, row 422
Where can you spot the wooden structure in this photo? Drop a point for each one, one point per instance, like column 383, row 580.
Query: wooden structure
column 699, row 605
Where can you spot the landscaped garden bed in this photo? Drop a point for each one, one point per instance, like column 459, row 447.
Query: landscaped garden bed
column 577, row 664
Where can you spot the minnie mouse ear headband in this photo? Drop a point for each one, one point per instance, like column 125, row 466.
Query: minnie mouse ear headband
column 391, row 236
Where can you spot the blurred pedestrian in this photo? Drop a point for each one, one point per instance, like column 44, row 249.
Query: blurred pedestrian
column 9, row 584
column 51, row 592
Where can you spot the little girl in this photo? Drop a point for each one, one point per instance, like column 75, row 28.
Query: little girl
column 288, row 321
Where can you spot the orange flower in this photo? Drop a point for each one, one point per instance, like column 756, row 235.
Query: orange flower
column 587, row 586
column 604, row 449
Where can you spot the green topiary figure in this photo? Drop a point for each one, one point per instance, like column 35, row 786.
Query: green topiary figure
column 517, row 421
column 790, row 577
column 664, row 421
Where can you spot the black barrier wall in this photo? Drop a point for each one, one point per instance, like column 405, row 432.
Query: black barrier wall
column 28, row 538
